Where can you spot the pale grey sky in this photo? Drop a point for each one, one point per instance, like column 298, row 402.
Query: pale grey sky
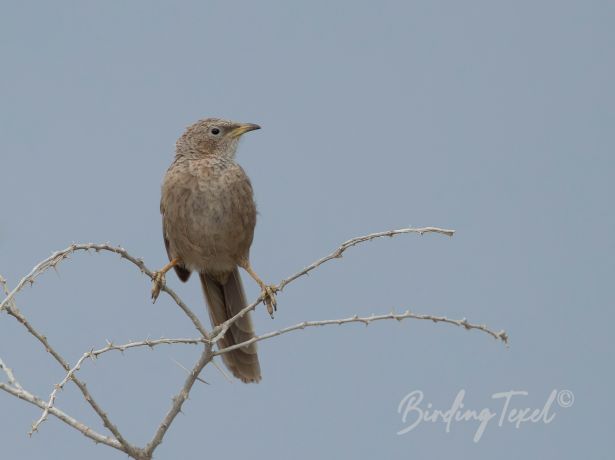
column 493, row 118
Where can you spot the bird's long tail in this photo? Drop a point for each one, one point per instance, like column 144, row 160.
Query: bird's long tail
column 225, row 301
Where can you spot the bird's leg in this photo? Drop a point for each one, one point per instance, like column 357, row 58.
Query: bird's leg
column 267, row 290
column 159, row 278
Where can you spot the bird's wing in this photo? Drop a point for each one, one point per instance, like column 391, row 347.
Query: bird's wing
column 182, row 273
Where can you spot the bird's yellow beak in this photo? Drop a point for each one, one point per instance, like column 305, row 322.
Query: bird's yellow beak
column 243, row 128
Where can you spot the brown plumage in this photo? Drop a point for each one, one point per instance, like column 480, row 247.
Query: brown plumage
column 208, row 219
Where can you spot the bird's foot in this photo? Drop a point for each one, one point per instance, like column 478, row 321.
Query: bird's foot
column 268, row 291
column 268, row 295
column 158, row 281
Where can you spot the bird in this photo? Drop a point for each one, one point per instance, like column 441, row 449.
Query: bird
column 208, row 219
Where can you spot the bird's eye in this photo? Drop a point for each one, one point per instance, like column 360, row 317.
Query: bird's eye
column 215, row 131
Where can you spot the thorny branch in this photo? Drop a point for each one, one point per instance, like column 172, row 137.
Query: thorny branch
column 366, row 320
column 220, row 330
column 57, row 257
column 207, row 339
column 16, row 313
column 151, row 343
column 76, row 424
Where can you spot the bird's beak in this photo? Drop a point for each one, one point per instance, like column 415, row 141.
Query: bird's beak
column 243, row 128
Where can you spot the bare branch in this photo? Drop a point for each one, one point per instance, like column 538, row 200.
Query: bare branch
column 179, row 400
column 17, row 390
column 221, row 329
column 501, row 335
column 87, row 431
column 362, row 239
column 140, row 343
column 12, row 310
column 9, row 375
column 93, row 354
column 366, row 320
column 53, row 260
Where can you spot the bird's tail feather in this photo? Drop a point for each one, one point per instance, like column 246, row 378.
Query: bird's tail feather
column 225, row 301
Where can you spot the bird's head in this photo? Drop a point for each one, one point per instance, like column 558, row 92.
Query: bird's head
column 212, row 136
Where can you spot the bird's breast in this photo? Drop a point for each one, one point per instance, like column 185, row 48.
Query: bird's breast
column 209, row 216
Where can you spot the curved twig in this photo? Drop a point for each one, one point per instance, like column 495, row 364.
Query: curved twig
column 57, row 257
column 366, row 320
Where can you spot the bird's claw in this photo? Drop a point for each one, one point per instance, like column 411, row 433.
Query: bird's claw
column 268, row 295
column 158, row 281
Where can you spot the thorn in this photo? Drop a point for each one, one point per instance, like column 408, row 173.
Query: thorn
column 503, row 336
